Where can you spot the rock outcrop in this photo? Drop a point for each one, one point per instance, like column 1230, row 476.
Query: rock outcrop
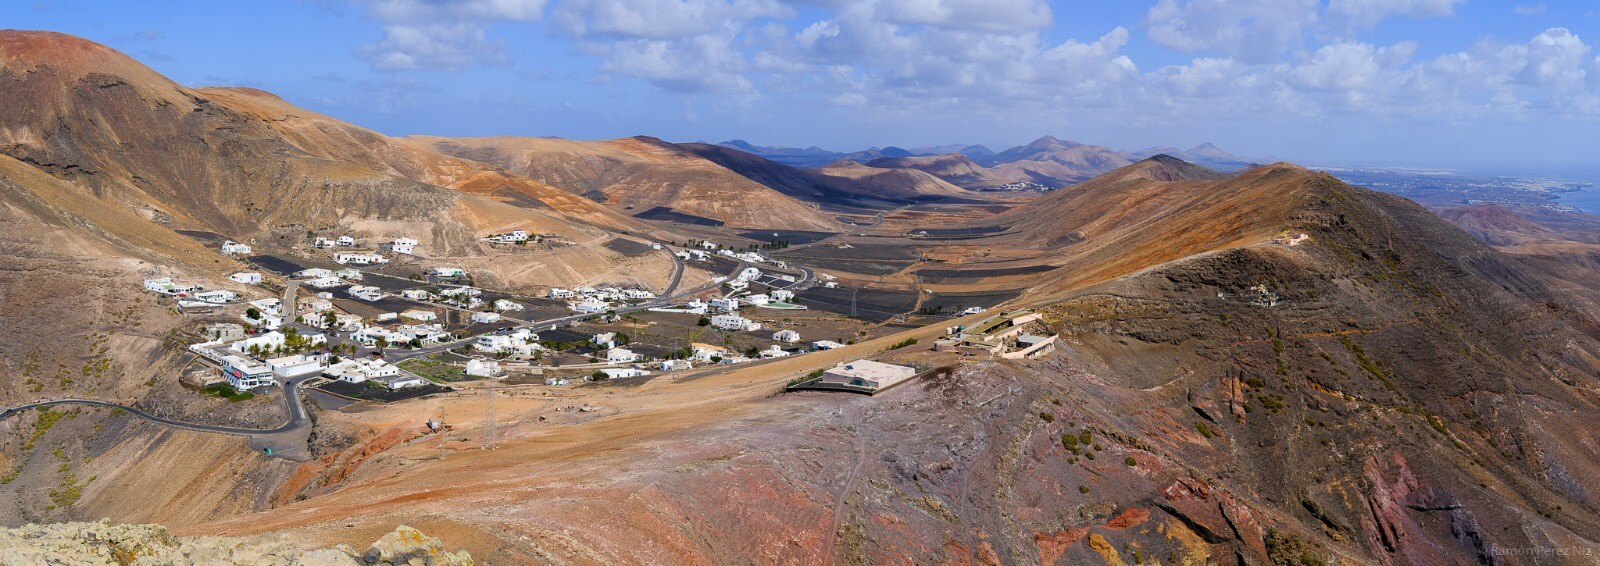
column 106, row 543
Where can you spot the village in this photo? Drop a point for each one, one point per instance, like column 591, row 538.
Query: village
column 350, row 331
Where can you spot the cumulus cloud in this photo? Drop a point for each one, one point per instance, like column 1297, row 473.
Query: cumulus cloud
column 660, row 19
column 1368, row 13
column 1279, row 58
column 1252, row 30
column 441, row 34
column 980, row 15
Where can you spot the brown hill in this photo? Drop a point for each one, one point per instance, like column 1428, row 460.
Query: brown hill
column 639, row 174
column 844, row 186
column 1219, row 399
column 239, row 162
column 954, row 168
column 903, row 183
column 1055, row 163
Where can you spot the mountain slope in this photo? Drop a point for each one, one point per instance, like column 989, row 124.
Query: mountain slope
column 640, row 174
column 1382, row 392
column 848, row 188
column 1053, row 162
column 954, row 168
column 895, row 181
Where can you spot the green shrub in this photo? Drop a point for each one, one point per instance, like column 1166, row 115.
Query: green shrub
column 1130, row 462
column 1047, row 417
column 1083, row 489
column 1204, row 430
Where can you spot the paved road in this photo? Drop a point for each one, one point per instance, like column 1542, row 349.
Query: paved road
column 298, row 419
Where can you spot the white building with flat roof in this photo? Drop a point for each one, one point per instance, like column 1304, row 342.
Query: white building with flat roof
column 447, row 271
column 365, row 292
column 621, row 356
column 231, row 247
column 486, row 317
column 735, row 323
column 403, row 245
column 244, row 373
column 246, row 277
column 868, row 374
column 482, row 368
column 786, row 336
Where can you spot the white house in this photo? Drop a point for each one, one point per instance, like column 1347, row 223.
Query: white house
column 637, row 294
column 507, row 305
column 483, row 368
column 867, row 374
column 774, row 351
column 708, row 245
column 511, row 237
column 786, row 336
column 831, row 285
column 244, row 373
column 324, row 282
column 704, row 352
column 758, row 300
column 825, row 345
column 217, row 296
column 403, row 245
column 420, row 315
column 734, row 323
column 621, row 356
column 271, row 305
column 404, row 381
column 783, row 295
column 728, row 304
column 621, row 373
column 246, row 277
column 486, row 317
column 560, row 294
column 365, row 292
column 590, row 305
column 231, row 247
column 974, row 310
column 166, row 286
column 266, row 342
column 738, row 285
column 322, row 243
column 314, row 305
column 358, row 259
column 345, row 242
column 676, row 365
column 415, row 294
column 313, row 273
column 350, row 274
column 298, row 365
column 750, row 274
column 447, row 272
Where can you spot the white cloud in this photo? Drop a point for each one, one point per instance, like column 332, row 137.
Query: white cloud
column 1255, row 31
column 661, row 18
column 1368, row 13
column 979, row 15
column 1529, row 9
column 441, row 35
column 699, row 63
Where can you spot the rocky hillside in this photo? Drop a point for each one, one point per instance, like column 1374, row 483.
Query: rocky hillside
column 105, row 543
column 954, row 168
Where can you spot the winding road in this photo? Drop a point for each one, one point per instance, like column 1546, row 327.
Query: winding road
column 298, row 418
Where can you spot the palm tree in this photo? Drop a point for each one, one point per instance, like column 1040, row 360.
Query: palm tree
column 382, row 342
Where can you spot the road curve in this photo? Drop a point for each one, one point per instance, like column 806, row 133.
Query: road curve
column 298, row 418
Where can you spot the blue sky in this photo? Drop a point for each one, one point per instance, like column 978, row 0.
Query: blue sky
column 1376, row 82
